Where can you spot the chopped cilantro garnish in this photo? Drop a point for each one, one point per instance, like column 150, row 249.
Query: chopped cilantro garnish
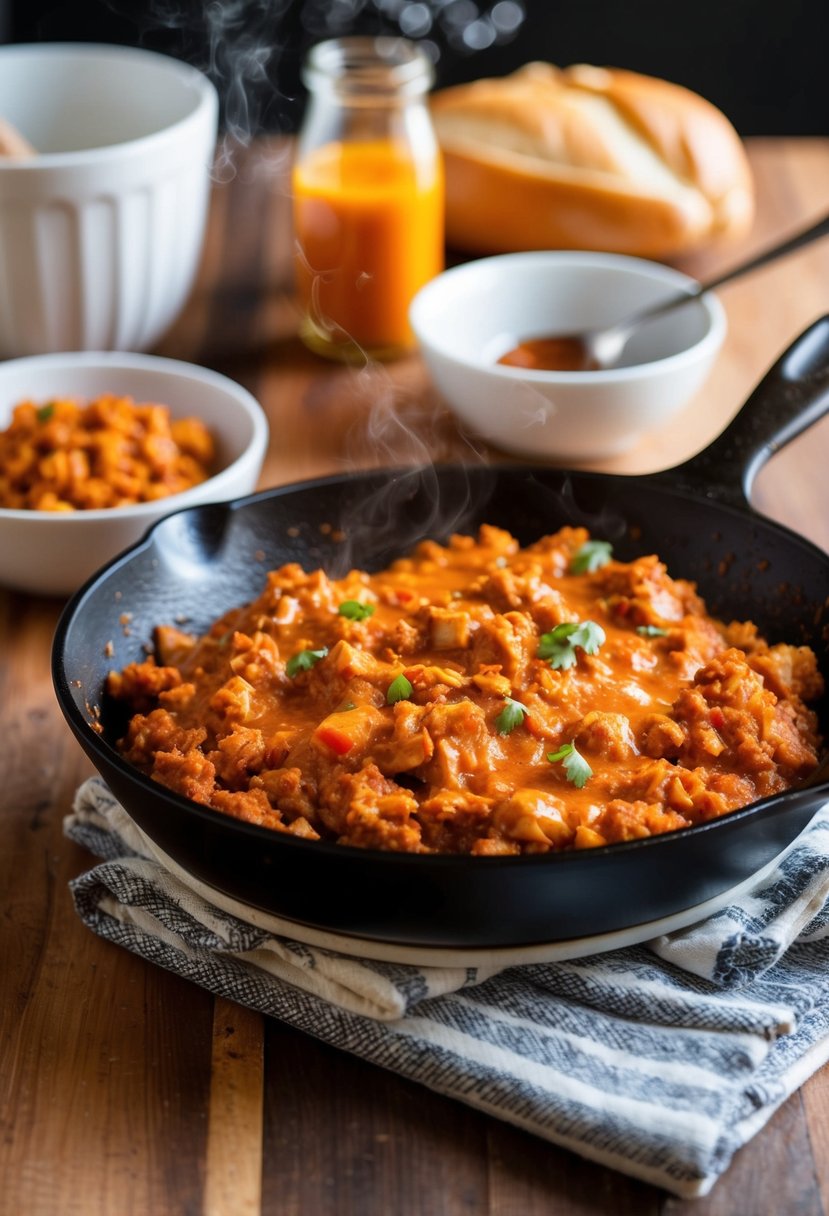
column 574, row 764
column 652, row 631
column 511, row 715
column 400, row 689
column 592, row 555
column 559, row 645
column 304, row 660
column 46, row 411
column 355, row 611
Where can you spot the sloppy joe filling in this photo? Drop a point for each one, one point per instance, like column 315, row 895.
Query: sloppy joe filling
column 476, row 697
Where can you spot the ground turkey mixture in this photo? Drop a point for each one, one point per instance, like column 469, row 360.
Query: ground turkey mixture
column 474, row 698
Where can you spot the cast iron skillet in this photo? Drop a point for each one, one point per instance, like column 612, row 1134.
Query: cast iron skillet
column 197, row 563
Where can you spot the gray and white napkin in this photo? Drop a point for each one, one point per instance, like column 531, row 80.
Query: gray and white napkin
column 658, row 1060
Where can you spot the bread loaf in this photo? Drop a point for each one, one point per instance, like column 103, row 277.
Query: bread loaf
column 589, row 158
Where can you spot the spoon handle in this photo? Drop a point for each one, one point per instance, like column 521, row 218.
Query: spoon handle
column 812, row 233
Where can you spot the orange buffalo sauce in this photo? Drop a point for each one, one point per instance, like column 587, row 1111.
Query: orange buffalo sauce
column 369, row 230
column 474, row 697
column 551, row 355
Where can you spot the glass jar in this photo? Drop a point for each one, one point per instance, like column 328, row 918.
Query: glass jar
column 367, row 196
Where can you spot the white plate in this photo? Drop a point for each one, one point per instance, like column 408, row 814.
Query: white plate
column 436, row 956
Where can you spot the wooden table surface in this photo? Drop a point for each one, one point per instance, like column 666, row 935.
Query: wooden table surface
column 124, row 1089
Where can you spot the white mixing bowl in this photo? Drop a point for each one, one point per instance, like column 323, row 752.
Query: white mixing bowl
column 101, row 232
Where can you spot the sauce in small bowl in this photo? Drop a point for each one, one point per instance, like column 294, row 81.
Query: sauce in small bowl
column 551, row 355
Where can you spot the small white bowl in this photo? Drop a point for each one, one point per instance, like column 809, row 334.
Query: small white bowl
column 53, row 553
column 101, row 232
column 468, row 317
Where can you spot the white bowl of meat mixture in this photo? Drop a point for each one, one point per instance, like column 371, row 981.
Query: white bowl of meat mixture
column 97, row 447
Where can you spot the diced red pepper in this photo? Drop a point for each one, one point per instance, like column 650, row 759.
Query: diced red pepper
column 337, row 740
column 717, row 718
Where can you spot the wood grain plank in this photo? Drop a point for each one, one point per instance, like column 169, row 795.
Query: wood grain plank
column 773, row 1175
column 103, row 1084
column 793, row 487
column 527, row 1176
column 233, row 1171
column 344, row 1138
column 815, row 1097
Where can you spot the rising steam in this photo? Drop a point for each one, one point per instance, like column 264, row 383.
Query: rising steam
column 409, row 440
column 252, row 49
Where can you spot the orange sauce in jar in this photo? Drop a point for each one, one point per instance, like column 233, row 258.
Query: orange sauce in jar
column 368, row 222
column 550, row 355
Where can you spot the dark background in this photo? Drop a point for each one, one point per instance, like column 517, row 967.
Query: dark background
column 765, row 63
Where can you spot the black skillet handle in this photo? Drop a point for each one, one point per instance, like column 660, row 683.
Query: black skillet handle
column 792, row 396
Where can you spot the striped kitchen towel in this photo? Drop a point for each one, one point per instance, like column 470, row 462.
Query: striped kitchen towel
column 658, row 1060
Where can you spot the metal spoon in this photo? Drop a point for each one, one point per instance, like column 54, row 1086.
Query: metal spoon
column 603, row 347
